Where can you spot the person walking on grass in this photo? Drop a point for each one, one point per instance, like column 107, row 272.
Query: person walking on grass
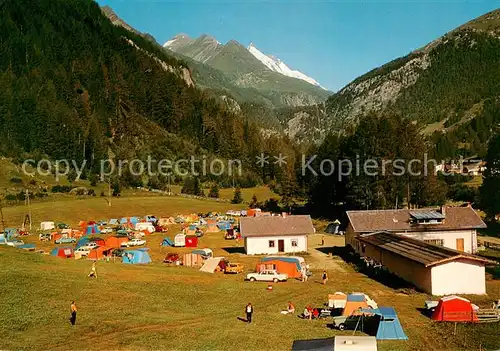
column 325, row 277
column 73, row 308
column 249, row 312
column 93, row 272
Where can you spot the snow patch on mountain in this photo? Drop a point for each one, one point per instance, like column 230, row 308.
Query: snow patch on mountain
column 169, row 43
column 276, row 65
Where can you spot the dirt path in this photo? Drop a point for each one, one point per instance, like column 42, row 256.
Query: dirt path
column 321, row 260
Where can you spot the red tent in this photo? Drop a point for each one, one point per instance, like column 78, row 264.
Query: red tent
column 191, row 241
column 454, row 309
column 64, row 252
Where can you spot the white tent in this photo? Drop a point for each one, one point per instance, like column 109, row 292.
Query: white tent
column 211, row 264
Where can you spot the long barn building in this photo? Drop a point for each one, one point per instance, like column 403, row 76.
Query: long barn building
column 434, row 269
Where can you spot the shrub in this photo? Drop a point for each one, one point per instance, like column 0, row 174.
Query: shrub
column 16, row 180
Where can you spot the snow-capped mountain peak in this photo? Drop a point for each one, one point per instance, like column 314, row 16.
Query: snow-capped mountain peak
column 276, row 65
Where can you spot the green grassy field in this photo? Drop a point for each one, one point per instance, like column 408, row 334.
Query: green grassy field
column 163, row 307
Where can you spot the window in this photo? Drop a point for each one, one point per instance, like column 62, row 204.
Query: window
column 271, row 243
column 295, row 243
column 438, row 242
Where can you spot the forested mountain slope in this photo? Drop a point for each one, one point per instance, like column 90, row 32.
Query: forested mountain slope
column 75, row 86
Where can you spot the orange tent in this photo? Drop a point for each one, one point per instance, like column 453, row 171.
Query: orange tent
column 115, row 241
column 354, row 302
column 253, row 212
column 284, row 267
column 212, row 226
column 99, row 252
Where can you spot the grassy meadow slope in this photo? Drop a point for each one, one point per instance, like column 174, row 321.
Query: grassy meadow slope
column 162, row 307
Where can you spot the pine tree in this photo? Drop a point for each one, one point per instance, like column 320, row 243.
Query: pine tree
column 237, row 198
column 214, row 191
column 254, row 203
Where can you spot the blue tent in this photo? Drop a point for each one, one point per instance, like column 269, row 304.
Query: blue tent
column 167, row 242
column 389, row 327
column 92, row 229
column 3, row 240
column 356, row 298
column 150, row 218
column 82, row 242
column 11, row 233
column 137, row 256
column 224, row 225
column 134, row 220
column 26, row 246
column 113, row 221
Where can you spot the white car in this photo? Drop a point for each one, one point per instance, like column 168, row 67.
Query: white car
column 83, row 251
column 89, row 246
column 134, row 242
column 269, row 275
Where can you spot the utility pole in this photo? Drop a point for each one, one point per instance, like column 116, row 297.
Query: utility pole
column 29, row 205
column 1, row 215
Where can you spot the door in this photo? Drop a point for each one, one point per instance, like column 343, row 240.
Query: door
column 281, row 245
column 460, row 244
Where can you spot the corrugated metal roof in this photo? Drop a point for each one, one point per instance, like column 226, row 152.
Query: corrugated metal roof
column 416, row 250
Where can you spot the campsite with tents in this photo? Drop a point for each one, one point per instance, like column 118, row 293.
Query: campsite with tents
column 138, row 301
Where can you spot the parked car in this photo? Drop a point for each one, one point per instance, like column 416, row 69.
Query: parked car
column 107, row 230
column 234, row 268
column 134, row 242
column 65, row 241
column 84, row 251
column 90, row 245
column 44, row 237
column 160, row 229
column 268, row 275
column 346, row 322
column 171, row 258
column 15, row 243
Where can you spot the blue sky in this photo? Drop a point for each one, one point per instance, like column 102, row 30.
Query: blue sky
column 332, row 41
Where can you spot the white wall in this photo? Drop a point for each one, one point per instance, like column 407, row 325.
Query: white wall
column 449, row 238
column 260, row 245
column 458, row 277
